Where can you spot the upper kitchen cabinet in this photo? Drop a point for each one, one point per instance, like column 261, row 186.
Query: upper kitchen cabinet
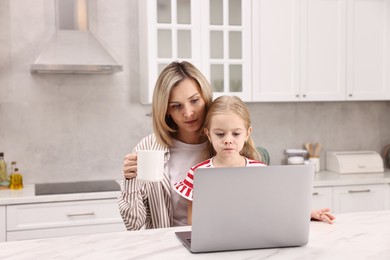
column 280, row 50
column 275, row 50
column 368, row 44
column 168, row 30
column 226, row 49
column 299, row 50
column 214, row 35
column 323, row 50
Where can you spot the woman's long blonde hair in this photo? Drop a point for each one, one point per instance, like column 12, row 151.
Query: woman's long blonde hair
column 171, row 76
column 231, row 104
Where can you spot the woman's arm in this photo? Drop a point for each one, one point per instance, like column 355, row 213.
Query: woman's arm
column 132, row 204
column 139, row 201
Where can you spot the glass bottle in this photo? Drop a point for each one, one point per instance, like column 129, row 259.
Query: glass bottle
column 16, row 180
column 3, row 169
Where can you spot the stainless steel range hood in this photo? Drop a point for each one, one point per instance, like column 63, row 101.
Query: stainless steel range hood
column 73, row 48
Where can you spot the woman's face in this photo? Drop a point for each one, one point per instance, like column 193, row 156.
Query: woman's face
column 187, row 109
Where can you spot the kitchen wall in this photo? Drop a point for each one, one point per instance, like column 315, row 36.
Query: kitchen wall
column 79, row 127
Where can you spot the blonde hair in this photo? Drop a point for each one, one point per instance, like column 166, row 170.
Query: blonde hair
column 231, row 104
column 171, row 76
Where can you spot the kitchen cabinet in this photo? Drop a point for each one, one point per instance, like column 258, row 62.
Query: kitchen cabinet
column 322, row 50
column 316, row 50
column 213, row 35
column 275, row 50
column 40, row 220
column 368, row 36
column 354, row 198
column 285, row 50
column 2, row 224
column 322, row 197
column 299, row 50
column 352, row 192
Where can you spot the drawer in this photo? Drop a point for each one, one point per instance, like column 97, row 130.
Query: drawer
column 355, row 198
column 62, row 214
column 322, row 197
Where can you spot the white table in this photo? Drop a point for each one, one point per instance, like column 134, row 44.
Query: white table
column 352, row 236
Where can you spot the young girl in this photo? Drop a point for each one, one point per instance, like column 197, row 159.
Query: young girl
column 228, row 128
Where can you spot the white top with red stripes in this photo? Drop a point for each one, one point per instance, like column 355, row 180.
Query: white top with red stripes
column 185, row 187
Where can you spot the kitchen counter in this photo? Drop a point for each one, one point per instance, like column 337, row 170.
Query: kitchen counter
column 354, row 235
column 327, row 178
column 27, row 195
column 322, row 179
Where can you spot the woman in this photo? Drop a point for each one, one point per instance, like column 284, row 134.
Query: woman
column 180, row 100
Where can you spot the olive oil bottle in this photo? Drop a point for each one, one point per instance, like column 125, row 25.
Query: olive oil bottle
column 3, row 169
column 16, row 180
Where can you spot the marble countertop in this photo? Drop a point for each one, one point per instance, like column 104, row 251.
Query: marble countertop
column 364, row 235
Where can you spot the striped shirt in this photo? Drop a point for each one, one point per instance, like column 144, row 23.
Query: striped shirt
column 147, row 203
column 186, row 187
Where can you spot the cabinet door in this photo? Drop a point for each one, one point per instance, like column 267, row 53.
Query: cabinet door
column 322, row 198
column 214, row 35
column 3, row 227
column 323, row 50
column 368, row 40
column 276, row 50
column 359, row 198
column 169, row 30
column 226, row 49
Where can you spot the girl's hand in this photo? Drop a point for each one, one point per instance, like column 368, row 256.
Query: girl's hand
column 323, row 215
column 130, row 166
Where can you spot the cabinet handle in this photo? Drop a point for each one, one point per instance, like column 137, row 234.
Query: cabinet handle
column 81, row 214
column 315, row 194
column 359, row 191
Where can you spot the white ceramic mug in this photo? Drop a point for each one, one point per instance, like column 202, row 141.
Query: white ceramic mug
column 150, row 165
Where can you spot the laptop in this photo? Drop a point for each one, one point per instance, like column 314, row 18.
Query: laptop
column 250, row 208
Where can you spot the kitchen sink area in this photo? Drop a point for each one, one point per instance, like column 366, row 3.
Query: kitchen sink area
column 76, row 187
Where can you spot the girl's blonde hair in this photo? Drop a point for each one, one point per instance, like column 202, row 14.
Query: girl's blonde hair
column 231, row 104
column 171, row 76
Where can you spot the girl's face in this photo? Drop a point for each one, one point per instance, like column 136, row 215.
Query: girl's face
column 187, row 109
column 228, row 134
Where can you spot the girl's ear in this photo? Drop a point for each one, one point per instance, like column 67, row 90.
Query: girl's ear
column 206, row 132
column 249, row 133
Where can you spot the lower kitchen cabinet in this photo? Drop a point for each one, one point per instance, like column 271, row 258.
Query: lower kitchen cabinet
column 352, row 198
column 355, row 198
column 41, row 220
column 322, row 197
column 2, row 224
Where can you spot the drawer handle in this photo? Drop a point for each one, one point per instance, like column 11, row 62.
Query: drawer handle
column 359, row 191
column 81, row 214
column 315, row 194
